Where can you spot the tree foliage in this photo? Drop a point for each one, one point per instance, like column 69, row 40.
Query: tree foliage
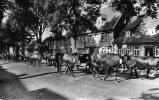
column 32, row 15
column 76, row 16
column 140, row 8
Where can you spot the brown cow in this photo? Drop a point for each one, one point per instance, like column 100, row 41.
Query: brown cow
column 136, row 62
column 107, row 61
column 69, row 60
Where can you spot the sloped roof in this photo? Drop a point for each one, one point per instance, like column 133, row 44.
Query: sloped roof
column 153, row 24
column 134, row 21
column 145, row 24
column 111, row 16
column 47, row 39
column 150, row 22
column 139, row 39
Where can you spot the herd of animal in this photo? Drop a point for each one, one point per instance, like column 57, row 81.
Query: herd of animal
column 108, row 62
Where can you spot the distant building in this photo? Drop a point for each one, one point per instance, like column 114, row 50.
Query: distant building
column 140, row 37
column 109, row 25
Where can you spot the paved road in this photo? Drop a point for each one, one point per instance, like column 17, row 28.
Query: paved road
column 45, row 83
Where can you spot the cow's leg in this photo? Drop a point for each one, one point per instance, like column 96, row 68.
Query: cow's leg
column 51, row 62
column 107, row 71
column 34, row 65
column 71, row 70
column 55, row 64
column 155, row 69
column 77, row 66
column 68, row 70
column 60, row 69
column 95, row 71
column 46, row 60
column 116, row 73
column 91, row 67
column 38, row 63
column 58, row 66
column 135, row 70
column 148, row 71
column 131, row 72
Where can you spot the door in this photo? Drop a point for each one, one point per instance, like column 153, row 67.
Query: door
column 149, row 51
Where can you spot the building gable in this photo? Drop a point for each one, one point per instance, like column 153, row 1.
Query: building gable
column 110, row 18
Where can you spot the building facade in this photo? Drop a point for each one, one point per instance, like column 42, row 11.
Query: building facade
column 140, row 37
column 109, row 24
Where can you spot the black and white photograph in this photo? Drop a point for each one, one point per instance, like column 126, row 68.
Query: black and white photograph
column 79, row 49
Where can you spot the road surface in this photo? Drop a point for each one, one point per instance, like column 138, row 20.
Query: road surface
column 21, row 81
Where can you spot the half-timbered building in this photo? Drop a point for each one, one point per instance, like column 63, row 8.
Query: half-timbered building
column 140, row 37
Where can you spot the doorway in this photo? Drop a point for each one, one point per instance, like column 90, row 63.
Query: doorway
column 149, row 51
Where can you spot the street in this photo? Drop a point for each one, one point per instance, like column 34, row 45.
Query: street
column 21, row 81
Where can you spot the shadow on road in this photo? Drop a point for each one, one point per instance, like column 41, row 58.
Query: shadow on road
column 148, row 96
column 37, row 75
column 152, row 95
column 11, row 88
column 45, row 94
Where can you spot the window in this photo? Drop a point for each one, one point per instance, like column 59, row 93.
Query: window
column 97, row 50
column 127, row 33
column 103, row 37
column 119, row 51
column 86, row 38
column 91, row 38
column 136, row 51
column 82, row 39
column 109, row 51
column 127, row 50
column 157, row 51
column 108, row 37
column 151, row 31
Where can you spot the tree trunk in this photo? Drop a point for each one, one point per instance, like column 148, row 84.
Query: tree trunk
column 39, row 43
column 73, row 45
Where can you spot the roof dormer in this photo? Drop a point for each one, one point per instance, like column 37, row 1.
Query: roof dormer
column 127, row 33
column 151, row 31
column 100, row 22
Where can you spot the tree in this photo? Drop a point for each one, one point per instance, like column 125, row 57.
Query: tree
column 3, row 6
column 75, row 16
column 14, row 36
column 140, row 8
column 32, row 14
column 29, row 16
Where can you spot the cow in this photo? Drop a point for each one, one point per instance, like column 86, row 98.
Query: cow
column 136, row 62
column 51, row 60
column 69, row 60
column 46, row 57
column 106, row 61
column 35, row 59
